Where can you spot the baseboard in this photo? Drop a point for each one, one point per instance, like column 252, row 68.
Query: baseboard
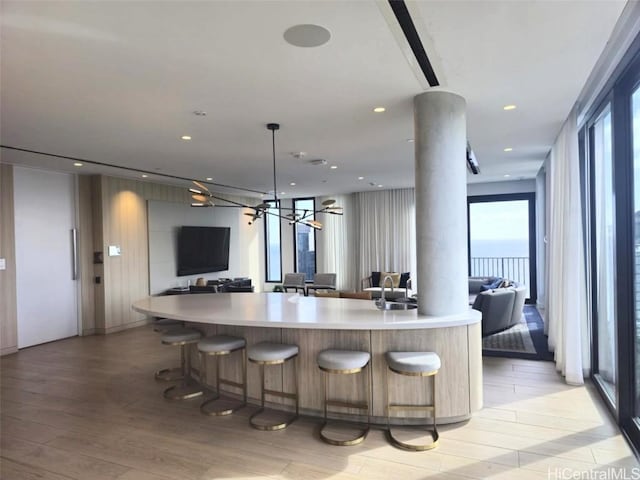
column 8, row 350
column 88, row 331
column 120, row 328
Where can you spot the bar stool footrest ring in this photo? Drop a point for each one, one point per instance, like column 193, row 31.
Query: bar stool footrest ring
column 413, row 447
column 183, row 391
column 169, row 374
column 271, row 427
column 344, row 443
column 204, row 407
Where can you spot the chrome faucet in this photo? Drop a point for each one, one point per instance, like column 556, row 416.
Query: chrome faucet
column 383, row 300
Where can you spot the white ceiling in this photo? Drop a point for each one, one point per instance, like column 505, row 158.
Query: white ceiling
column 118, row 82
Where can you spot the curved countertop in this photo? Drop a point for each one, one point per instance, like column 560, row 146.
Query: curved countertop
column 282, row 310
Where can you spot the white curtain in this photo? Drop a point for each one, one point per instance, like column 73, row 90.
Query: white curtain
column 386, row 232
column 336, row 243
column 566, row 287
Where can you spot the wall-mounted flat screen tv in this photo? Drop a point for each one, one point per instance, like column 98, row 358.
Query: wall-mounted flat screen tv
column 203, row 249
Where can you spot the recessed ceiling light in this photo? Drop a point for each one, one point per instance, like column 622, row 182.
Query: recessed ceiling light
column 508, row 149
column 410, row 140
column 333, row 167
column 506, row 175
column 360, row 178
column 379, row 109
column 77, row 164
column 209, row 179
column 380, row 186
column 293, row 184
column 509, row 107
column 307, row 35
column 144, row 175
column 185, row 137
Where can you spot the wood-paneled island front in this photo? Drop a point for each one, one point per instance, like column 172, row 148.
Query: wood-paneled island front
column 318, row 323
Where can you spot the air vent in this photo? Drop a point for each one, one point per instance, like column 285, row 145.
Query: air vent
column 318, row 161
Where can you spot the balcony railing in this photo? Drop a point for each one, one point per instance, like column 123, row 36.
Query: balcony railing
column 513, row 268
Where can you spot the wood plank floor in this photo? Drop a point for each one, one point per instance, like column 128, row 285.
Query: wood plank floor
column 88, row 408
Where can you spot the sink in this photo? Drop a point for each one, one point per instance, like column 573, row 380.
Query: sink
column 396, row 306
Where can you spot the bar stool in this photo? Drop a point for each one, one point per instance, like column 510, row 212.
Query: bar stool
column 172, row 374
column 413, row 364
column 184, row 338
column 267, row 353
column 344, row 362
column 218, row 346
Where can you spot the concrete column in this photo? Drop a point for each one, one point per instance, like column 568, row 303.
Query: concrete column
column 441, row 203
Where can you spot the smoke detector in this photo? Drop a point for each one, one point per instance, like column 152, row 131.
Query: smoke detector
column 318, row 161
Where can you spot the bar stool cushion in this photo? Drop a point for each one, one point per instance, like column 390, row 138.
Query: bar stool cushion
column 413, row 362
column 220, row 343
column 342, row 359
column 177, row 335
column 164, row 324
column 271, row 352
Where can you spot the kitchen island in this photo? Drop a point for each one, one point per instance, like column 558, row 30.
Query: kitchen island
column 318, row 323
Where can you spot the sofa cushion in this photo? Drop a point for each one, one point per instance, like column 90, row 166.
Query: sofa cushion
column 404, row 278
column 395, row 278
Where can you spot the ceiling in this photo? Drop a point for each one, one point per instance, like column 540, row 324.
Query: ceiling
column 119, row 82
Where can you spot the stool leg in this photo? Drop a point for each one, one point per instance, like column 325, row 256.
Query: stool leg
column 263, row 392
column 187, row 388
column 205, row 407
column 364, row 431
column 172, row 374
column 434, row 433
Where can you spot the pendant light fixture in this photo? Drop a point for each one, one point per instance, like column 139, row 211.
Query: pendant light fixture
column 204, row 198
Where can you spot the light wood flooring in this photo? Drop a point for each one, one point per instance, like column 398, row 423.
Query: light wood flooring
column 89, row 408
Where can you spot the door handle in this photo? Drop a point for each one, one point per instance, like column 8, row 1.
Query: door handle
column 74, row 254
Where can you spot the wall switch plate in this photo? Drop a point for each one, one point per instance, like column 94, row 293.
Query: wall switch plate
column 3, row 264
column 114, row 250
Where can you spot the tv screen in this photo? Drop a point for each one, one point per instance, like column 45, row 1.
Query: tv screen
column 203, row 249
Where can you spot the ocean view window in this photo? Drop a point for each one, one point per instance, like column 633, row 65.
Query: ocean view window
column 501, row 238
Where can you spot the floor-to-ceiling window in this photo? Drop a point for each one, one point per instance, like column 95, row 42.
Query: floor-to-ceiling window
column 611, row 162
column 603, row 250
column 635, row 222
column 502, row 238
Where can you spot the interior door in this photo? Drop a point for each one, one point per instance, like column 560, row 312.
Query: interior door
column 46, row 290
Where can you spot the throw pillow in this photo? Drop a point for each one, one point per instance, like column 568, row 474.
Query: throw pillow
column 375, row 279
column 395, row 278
column 404, row 277
column 491, row 286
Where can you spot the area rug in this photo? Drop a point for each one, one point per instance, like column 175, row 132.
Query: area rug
column 524, row 340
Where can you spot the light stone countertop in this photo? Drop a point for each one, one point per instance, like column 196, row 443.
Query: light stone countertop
column 282, row 310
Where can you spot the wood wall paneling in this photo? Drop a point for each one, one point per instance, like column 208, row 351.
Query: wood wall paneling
column 8, row 313
column 98, row 246
column 85, row 252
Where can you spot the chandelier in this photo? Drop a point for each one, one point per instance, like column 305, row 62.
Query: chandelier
column 204, row 198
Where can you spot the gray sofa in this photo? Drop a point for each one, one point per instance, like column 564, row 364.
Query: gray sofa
column 501, row 307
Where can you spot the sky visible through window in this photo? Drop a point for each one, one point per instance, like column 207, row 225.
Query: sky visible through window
column 499, row 229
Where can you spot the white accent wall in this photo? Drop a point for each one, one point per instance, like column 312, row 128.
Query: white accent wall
column 246, row 257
